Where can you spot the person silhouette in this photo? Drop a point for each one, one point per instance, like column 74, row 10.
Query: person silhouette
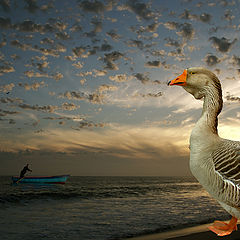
column 24, row 170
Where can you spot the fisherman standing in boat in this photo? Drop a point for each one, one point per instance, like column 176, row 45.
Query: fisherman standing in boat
column 24, row 170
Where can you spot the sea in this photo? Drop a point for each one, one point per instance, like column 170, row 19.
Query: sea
column 103, row 208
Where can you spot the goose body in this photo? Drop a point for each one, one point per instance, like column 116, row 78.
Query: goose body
column 214, row 161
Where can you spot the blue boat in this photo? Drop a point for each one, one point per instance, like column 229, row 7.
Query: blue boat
column 61, row 179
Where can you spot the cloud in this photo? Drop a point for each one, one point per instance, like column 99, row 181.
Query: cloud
column 59, row 48
column 11, row 100
column 222, row 44
column 95, row 97
column 31, row 74
column 228, row 15
column 57, row 76
column 156, row 64
column 100, row 73
column 78, row 65
column 41, row 66
column 6, row 68
column 73, row 95
column 149, row 95
column 4, row 113
column 62, row 36
column 87, row 124
column 47, row 108
column 235, row 61
column 69, row 106
column 5, row 23
column 120, row 78
column 204, row 17
column 110, row 58
column 185, row 30
column 140, row 9
column 7, row 88
column 105, row 87
column 31, row 6
column 35, row 86
column 172, row 43
column 79, row 51
column 5, row 4
column 232, row 98
column 142, row 77
column 211, row 60
column 94, row 7
column 115, row 36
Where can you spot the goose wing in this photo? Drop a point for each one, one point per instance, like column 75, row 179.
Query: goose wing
column 226, row 159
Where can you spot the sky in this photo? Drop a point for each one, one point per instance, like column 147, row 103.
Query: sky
column 83, row 83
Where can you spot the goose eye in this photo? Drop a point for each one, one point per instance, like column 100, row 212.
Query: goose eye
column 192, row 73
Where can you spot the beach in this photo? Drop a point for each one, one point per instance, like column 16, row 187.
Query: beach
column 200, row 232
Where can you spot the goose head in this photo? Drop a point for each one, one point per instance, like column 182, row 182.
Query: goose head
column 197, row 81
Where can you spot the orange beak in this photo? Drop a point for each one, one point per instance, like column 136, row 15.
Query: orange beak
column 180, row 80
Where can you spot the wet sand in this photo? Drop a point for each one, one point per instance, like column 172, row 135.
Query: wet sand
column 192, row 233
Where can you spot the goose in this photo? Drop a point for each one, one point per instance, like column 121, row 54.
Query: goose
column 214, row 161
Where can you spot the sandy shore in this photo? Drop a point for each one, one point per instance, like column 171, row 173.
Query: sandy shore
column 193, row 233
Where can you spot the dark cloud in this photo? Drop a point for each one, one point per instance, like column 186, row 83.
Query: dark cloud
column 95, row 98
column 110, row 58
column 55, row 52
column 11, row 100
column 235, row 60
column 142, row 77
column 114, row 35
column 228, row 15
column 149, row 95
column 222, row 44
column 187, row 15
column 4, row 113
column 73, row 95
column 5, row 4
column 5, row 23
column 232, row 98
column 89, row 124
column 6, row 68
column 185, row 30
column 69, row 106
column 12, row 121
column 94, row 7
column 97, row 25
column 136, row 43
column 31, row 6
column 204, row 17
column 79, row 51
column 23, row 46
column 62, row 36
column 211, row 60
column 120, row 78
column 140, row 9
column 156, row 64
column 47, row 108
column 76, row 27
column 172, row 42
column 30, row 26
